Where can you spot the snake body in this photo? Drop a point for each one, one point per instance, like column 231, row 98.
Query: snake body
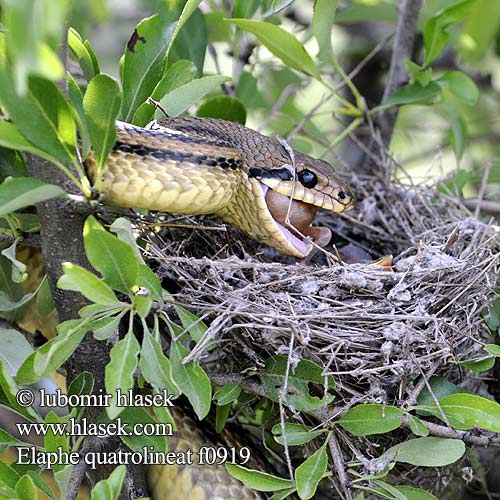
column 208, row 166
column 254, row 182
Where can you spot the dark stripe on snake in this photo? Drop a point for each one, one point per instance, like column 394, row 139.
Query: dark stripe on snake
column 179, row 156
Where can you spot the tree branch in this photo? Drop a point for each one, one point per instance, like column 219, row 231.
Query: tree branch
column 402, row 50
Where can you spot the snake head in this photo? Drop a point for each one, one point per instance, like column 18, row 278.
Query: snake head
column 290, row 198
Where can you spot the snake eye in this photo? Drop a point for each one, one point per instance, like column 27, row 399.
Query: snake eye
column 307, row 178
column 342, row 195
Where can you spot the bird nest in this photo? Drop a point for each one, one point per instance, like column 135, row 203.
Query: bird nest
column 376, row 330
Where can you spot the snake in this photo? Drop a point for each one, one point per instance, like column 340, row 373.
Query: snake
column 198, row 166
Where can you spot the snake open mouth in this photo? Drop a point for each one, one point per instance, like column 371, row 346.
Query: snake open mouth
column 293, row 218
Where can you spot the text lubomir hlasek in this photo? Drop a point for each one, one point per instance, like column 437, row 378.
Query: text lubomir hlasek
column 57, row 399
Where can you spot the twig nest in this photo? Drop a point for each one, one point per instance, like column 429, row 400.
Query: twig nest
column 356, row 320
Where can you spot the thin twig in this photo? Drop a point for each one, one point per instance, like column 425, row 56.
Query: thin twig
column 339, row 464
column 482, row 189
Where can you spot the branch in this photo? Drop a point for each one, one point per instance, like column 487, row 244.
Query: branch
column 492, row 207
column 447, row 432
column 402, row 50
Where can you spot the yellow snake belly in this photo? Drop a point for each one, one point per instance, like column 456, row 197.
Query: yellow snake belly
column 206, row 166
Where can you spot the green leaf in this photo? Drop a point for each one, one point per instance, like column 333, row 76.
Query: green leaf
column 417, row 73
column 18, row 271
column 296, row 434
column 26, row 489
column 52, row 354
column 456, row 182
column 11, row 162
column 299, row 394
column 177, row 75
column 191, row 41
column 40, row 483
column 192, row 380
column 145, row 57
column 368, row 419
column 481, row 364
column 31, row 50
column 189, row 8
column 113, row 258
column 136, row 442
column 225, row 108
column 15, row 349
column 21, row 192
column 413, row 93
column 101, row 105
column 180, row 99
column 386, row 490
column 105, row 328
column 10, row 390
column 82, row 55
column 493, row 349
column 8, row 305
column 78, row 279
column 480, row 30
column 75, row 96
column 461, row 86
column 191, row 323
column 218, row 29
column 248, row 92
column 436, row 29
column 282, row 494
column 8, row 476
column 227, row 394
column 44, row 116
column 44, row 300
column 441, row 387
column 465, row 411
column 124, row 230
column 412, row 493
column 246, row 8
column 142, row 302
column 109, row 489
column 144, row 62
column 417, row 426
column 221, row 416
column 256, row 480
column 427, row 451
column 309, row 473
column 53, row 442
column 156, row 368
column 81, row 385
column 379, row 12
column 6, row 439
column 281, row 43
column 322, row 22
column 148, row 279
column 10, row 137
column 457, row 135
column 493, row 317
column 119, row 372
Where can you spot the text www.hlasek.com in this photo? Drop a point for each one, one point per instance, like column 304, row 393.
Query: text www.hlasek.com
column 85, row 428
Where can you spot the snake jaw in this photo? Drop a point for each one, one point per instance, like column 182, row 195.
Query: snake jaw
column 289, row 223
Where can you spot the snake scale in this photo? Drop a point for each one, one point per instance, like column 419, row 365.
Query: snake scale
column 199, row 166
column 257, row 183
